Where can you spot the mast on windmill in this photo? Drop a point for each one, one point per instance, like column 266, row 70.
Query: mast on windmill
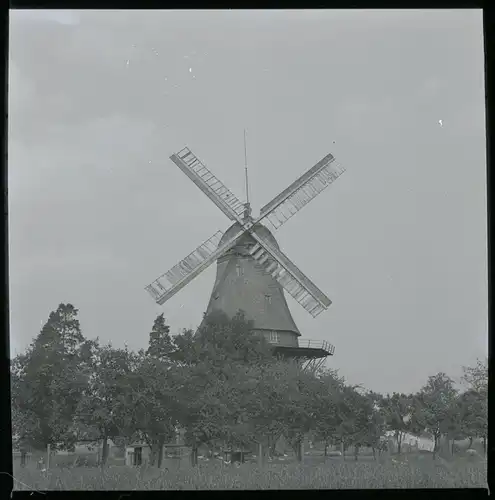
column 252, row 271
column 247, row 206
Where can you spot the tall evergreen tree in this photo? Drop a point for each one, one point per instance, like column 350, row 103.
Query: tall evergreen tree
column 160, row 342
column 49, row 380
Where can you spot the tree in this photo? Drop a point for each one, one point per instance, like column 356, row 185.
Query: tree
column 476, row 400
column 267, row 403
column 401, row 415
column 215, row 366
column 224, row 415
column 476, row 377
column 372, row 424
column 102, row 412
column 221, row 338
column 295, row 402
column 160, row 344
column 300, row 415
column 155, row 384
column 436, row 399
column 472, row 415
column 49, row 380
column 155, row 403
column 354, row 412
column 328, row 397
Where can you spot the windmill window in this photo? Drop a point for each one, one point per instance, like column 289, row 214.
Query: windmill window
column 239, row 270
column 273, row 337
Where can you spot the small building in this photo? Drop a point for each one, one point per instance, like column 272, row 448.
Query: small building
column 237, row 454
column 137, row 454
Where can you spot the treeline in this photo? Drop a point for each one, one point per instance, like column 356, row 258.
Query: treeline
column 221, row 384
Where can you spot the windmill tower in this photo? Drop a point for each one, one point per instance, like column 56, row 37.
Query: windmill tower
column 252, row 271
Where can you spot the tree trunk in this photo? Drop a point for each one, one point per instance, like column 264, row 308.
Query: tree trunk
column 152, row 458
column 399, row 442
column 260, row 455
column 273, row 449
column 154, row 451
column 374, row 453
column 160, row 452
column 326, row 448
column 299, row 450
column 452, row 447
column 470, row 442
column 435, row 446
column 342, row 449
column 194, row 456
column 356, row 451
column 484, row 446
column 104, row 450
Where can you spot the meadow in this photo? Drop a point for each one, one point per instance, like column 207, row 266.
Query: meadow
column 315, row 472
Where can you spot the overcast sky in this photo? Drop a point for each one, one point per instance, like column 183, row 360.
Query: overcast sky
column 98, row 101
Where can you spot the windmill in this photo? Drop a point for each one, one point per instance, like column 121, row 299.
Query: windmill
column 252, row 271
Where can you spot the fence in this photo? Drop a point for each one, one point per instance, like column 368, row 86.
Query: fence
column 39, row 459
column 317, row 344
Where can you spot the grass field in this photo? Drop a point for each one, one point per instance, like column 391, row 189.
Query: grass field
column 417, row 472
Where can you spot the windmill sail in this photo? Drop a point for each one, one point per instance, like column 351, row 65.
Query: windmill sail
column 301, row 192
column 223, row 198
column 187, row 269
column 294, row 281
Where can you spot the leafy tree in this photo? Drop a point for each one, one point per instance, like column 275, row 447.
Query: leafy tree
column 224, row 415
column 284, row 404
column 154, row 402
column 213, row 366
column 222, row 339
column 49, row 380
column 476, row 377
column 437, row 399
column 347, row 416
column 300, row 415
column 476, row 401
column 328, row 397
column 472, row 416
column 267, row 402
column 371, row 424
column 401, row 415
column 102, row 412
column 354, row 412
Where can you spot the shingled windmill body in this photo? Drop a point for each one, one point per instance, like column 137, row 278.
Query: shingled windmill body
column 252, row 271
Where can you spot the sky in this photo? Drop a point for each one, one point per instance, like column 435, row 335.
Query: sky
column 99, row 100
